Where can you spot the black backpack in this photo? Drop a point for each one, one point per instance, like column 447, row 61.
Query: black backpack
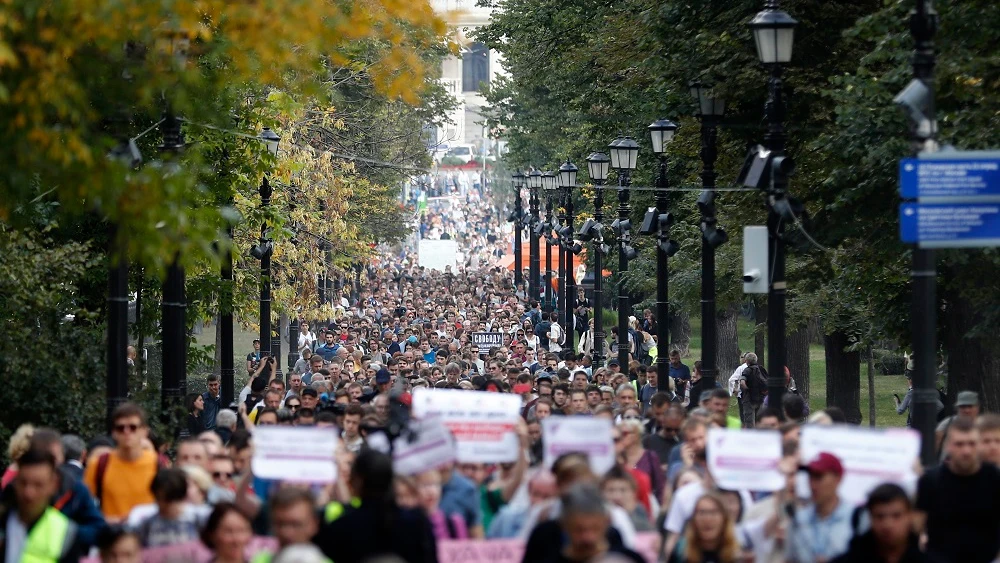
column 756, row 377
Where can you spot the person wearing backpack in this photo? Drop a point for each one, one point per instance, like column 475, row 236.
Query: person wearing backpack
column 120, row 479
column 753, row 383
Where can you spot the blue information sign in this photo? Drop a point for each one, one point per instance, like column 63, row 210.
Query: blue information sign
column 950, row 225
column 943, row 176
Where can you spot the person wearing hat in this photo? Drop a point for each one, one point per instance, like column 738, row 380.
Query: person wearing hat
column 822, row 530
column 310, row 398
column 967, row 405
column 383, row 381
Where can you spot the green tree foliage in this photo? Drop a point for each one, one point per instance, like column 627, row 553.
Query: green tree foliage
column 49, row 361
column 582, row 72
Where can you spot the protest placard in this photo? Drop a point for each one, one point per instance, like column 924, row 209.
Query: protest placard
column 487, row 340
column 870, row 457
column 584, row 434
column 483, row 423
column 745, row 459
column 427, row 446
column 295, row 453
column 512, row 551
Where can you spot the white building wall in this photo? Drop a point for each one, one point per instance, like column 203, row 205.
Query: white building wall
column 463, row 17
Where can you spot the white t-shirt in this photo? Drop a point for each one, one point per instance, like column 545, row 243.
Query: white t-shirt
column 306, row 340
column 555, row 335
column 734, row 381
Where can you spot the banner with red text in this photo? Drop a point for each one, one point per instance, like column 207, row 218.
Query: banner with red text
column 483, row 423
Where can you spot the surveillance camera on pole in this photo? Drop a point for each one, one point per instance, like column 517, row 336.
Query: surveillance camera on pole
column 917, row 101
column 755, row 259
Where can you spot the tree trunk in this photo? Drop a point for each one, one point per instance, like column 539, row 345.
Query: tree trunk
column 680, row 333
column 760, row 328
column 727, row 355
column 843, row 376
column 217, row 368
column 798, row 359
column 815, row 329
column 973, row 361
column 871, row 387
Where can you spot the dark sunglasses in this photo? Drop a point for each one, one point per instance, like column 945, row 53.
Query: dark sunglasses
column 292, row 406
column 123, row 427
column 220, row 475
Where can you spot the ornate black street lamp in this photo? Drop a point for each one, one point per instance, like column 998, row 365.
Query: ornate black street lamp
column 567, row 182
column 661, row 132
column 710, row 111
column 534, row 184
column 774, row 34
column 598, row 165
column 624, row 154
column 549, row 186
column 263, row 252
column 518, row 180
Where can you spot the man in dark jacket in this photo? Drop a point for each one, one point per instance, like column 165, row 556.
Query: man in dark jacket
column 891, row 537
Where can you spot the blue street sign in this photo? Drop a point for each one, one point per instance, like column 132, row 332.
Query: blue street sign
column 950, row 225
column 954, row 174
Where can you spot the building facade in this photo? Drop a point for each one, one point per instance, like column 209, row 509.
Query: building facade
column 465, row 75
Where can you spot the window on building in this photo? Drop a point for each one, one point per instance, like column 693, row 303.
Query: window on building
column 475, row 67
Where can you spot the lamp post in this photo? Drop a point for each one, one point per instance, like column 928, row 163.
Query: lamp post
column 549, row 185
column 624, row 153
column 923, row 301
column 117, row 343
column 263, row 252
column 518, row 179
column 562, row 249
column 173, row 306
column 567, row 181
column 661, row 132
column 534, row 184
column 710, row 111
column 597, row 167
column 774, row 33
column 227, row 370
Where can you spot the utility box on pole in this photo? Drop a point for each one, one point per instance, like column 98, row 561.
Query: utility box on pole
column 755, row 264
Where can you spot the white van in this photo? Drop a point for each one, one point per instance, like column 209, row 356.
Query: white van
column 465, row 153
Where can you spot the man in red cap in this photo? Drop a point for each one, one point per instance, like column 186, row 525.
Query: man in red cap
column 823, row 529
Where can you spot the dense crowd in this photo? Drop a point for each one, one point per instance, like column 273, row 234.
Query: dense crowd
column 410, row 328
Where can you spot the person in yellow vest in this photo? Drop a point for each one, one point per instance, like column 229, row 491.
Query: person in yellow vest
column 31, row 531
column 294, row 520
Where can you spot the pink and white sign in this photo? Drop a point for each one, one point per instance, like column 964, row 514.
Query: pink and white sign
column 745, row 459
column 584, row 434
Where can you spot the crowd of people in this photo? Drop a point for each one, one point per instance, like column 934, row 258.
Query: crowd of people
column 117, row 497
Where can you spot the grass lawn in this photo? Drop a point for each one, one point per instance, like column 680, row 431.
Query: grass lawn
column 885, row 385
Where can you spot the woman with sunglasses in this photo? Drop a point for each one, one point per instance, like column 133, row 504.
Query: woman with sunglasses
column 529, row 336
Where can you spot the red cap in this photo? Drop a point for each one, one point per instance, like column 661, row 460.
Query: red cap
column 406, row 399
column 826, row 463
